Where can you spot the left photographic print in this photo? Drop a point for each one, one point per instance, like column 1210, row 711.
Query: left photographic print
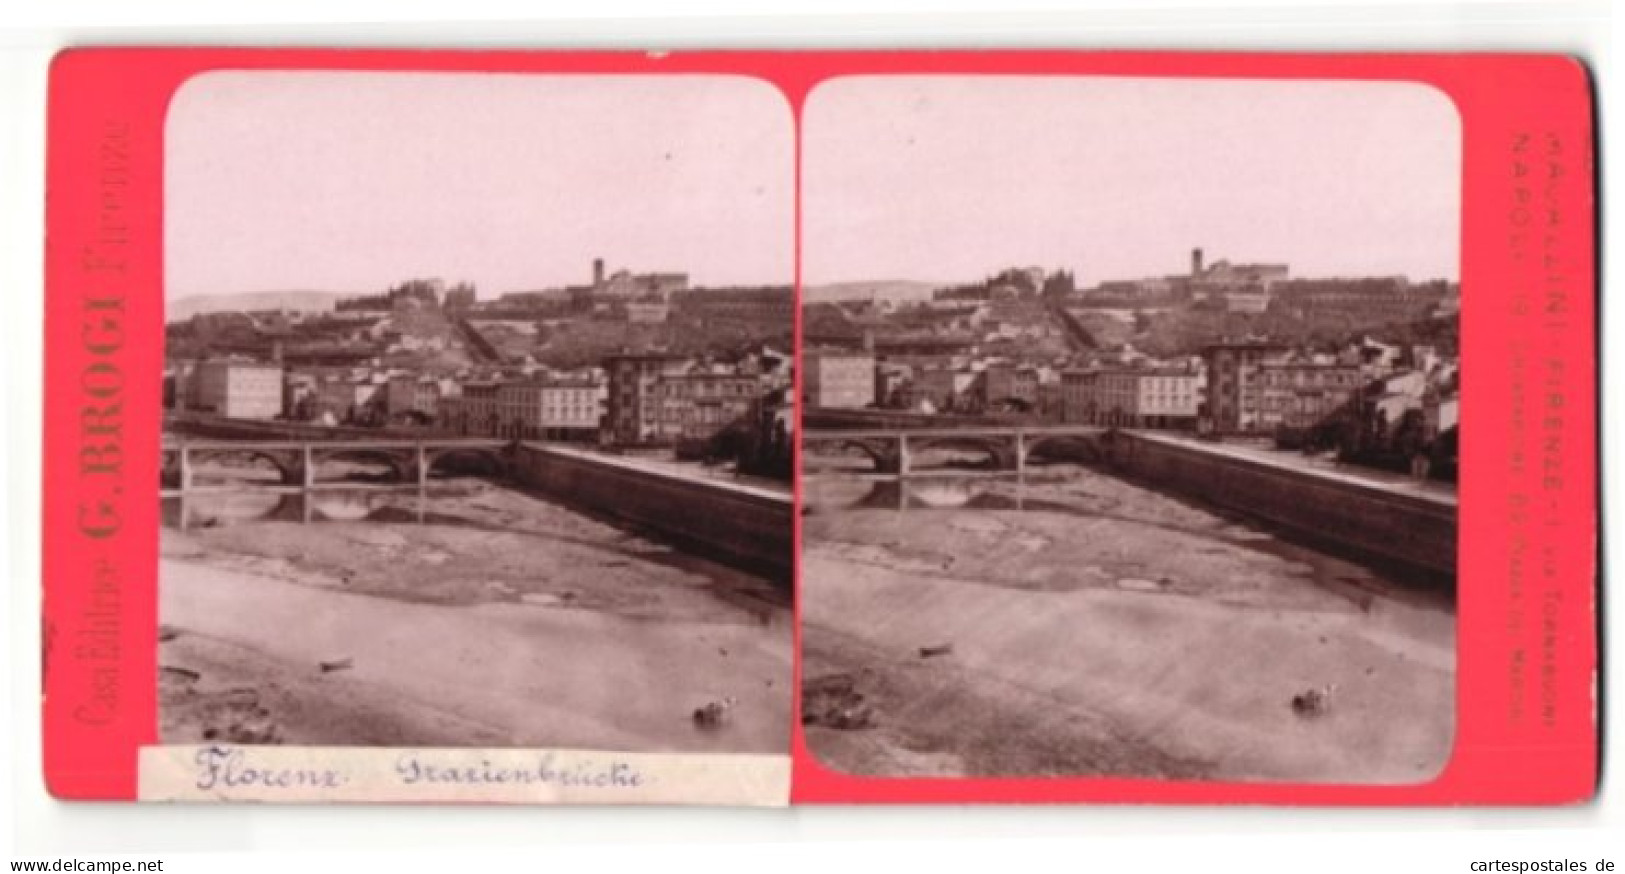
column 477, row 417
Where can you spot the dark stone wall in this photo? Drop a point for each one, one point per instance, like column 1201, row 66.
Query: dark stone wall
column 737, row 525
column 1410, row 530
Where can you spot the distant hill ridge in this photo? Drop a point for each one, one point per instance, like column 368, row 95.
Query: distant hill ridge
column 298, row 300
column 314, row 301
column 889, row 289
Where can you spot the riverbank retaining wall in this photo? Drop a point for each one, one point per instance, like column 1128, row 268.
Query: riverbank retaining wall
column 742, row 524
column 1416, row 530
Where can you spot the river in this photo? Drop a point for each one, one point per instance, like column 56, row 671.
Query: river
column 463, row 613
column 1068, row 622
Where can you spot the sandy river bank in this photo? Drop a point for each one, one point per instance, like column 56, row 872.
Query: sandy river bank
column 1103, row 629
column 502, row 620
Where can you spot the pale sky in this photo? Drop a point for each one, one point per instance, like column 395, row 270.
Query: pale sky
column 952, row 178
column 341, row 181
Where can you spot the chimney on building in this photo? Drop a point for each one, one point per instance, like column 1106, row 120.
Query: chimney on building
column 1196, row 262
column 597, row 272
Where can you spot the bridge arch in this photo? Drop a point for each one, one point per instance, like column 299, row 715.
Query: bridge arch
column 209, row 509
column 1003, row 447
column 1000, row 451
column 882, row 452
column 400, row 463
column 1084, row 447
column 288, row 465
column 488, row 460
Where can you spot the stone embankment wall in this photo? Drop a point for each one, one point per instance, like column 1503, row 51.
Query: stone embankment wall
column 1382, row 520
column 746, row 525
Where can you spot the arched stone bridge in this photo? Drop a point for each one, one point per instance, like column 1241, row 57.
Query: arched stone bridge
column 894, row 450
column 300, row 462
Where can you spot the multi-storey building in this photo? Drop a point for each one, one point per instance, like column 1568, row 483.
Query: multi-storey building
column 943, row 388
column 1297, row 395
column 838, row 379
column 552, row 408
column 1078, row 401
column 573, row 408
column 1371, row 300
column 1006, row 386
column 647, row 312
column 449, row 412
column 697, row 405
column 476, row 412
column 1168, row 398
column 624, row 284
column 407, row 395
column 773, row 305
column 1132, row 397
column 1050, row 404
column 345, row 397
column 237, row 389
column 632, row 417
column 1232, row 402
column 1259, row 388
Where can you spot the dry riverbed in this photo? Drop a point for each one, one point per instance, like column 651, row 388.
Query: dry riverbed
column 502, row 620
column 1103, row 629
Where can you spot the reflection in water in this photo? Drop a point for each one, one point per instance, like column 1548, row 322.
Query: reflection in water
column 228, row 507
column 764, row 599
column 209, row 509
column 1333, row 565
column 1002, row 491
column 829, row 494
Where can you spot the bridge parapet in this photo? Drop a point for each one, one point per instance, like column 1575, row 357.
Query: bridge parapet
column 299, row 462
column 893, row 450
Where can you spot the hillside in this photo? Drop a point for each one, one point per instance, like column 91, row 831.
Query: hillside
column 1186, row 331
column 297, row 300
column 889, row 289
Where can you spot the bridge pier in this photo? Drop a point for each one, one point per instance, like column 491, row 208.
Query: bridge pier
column 1009, row 448
column 423, row 483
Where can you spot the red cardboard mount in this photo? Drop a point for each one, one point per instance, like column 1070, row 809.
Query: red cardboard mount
column 1527, row 694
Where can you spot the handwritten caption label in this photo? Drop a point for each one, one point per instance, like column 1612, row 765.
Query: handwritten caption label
column 227, row 772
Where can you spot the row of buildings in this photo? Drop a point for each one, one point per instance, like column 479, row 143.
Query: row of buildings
column 621, row 285
column 630, row 400
column 635, row 297
column 1257, row 288
column 1250, row 388
column 838, row 378
column 1134, row 395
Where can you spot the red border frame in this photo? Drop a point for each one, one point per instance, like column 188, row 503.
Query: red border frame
column 104, row 181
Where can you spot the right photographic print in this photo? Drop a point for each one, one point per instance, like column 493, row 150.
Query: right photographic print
column 1129, row 428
